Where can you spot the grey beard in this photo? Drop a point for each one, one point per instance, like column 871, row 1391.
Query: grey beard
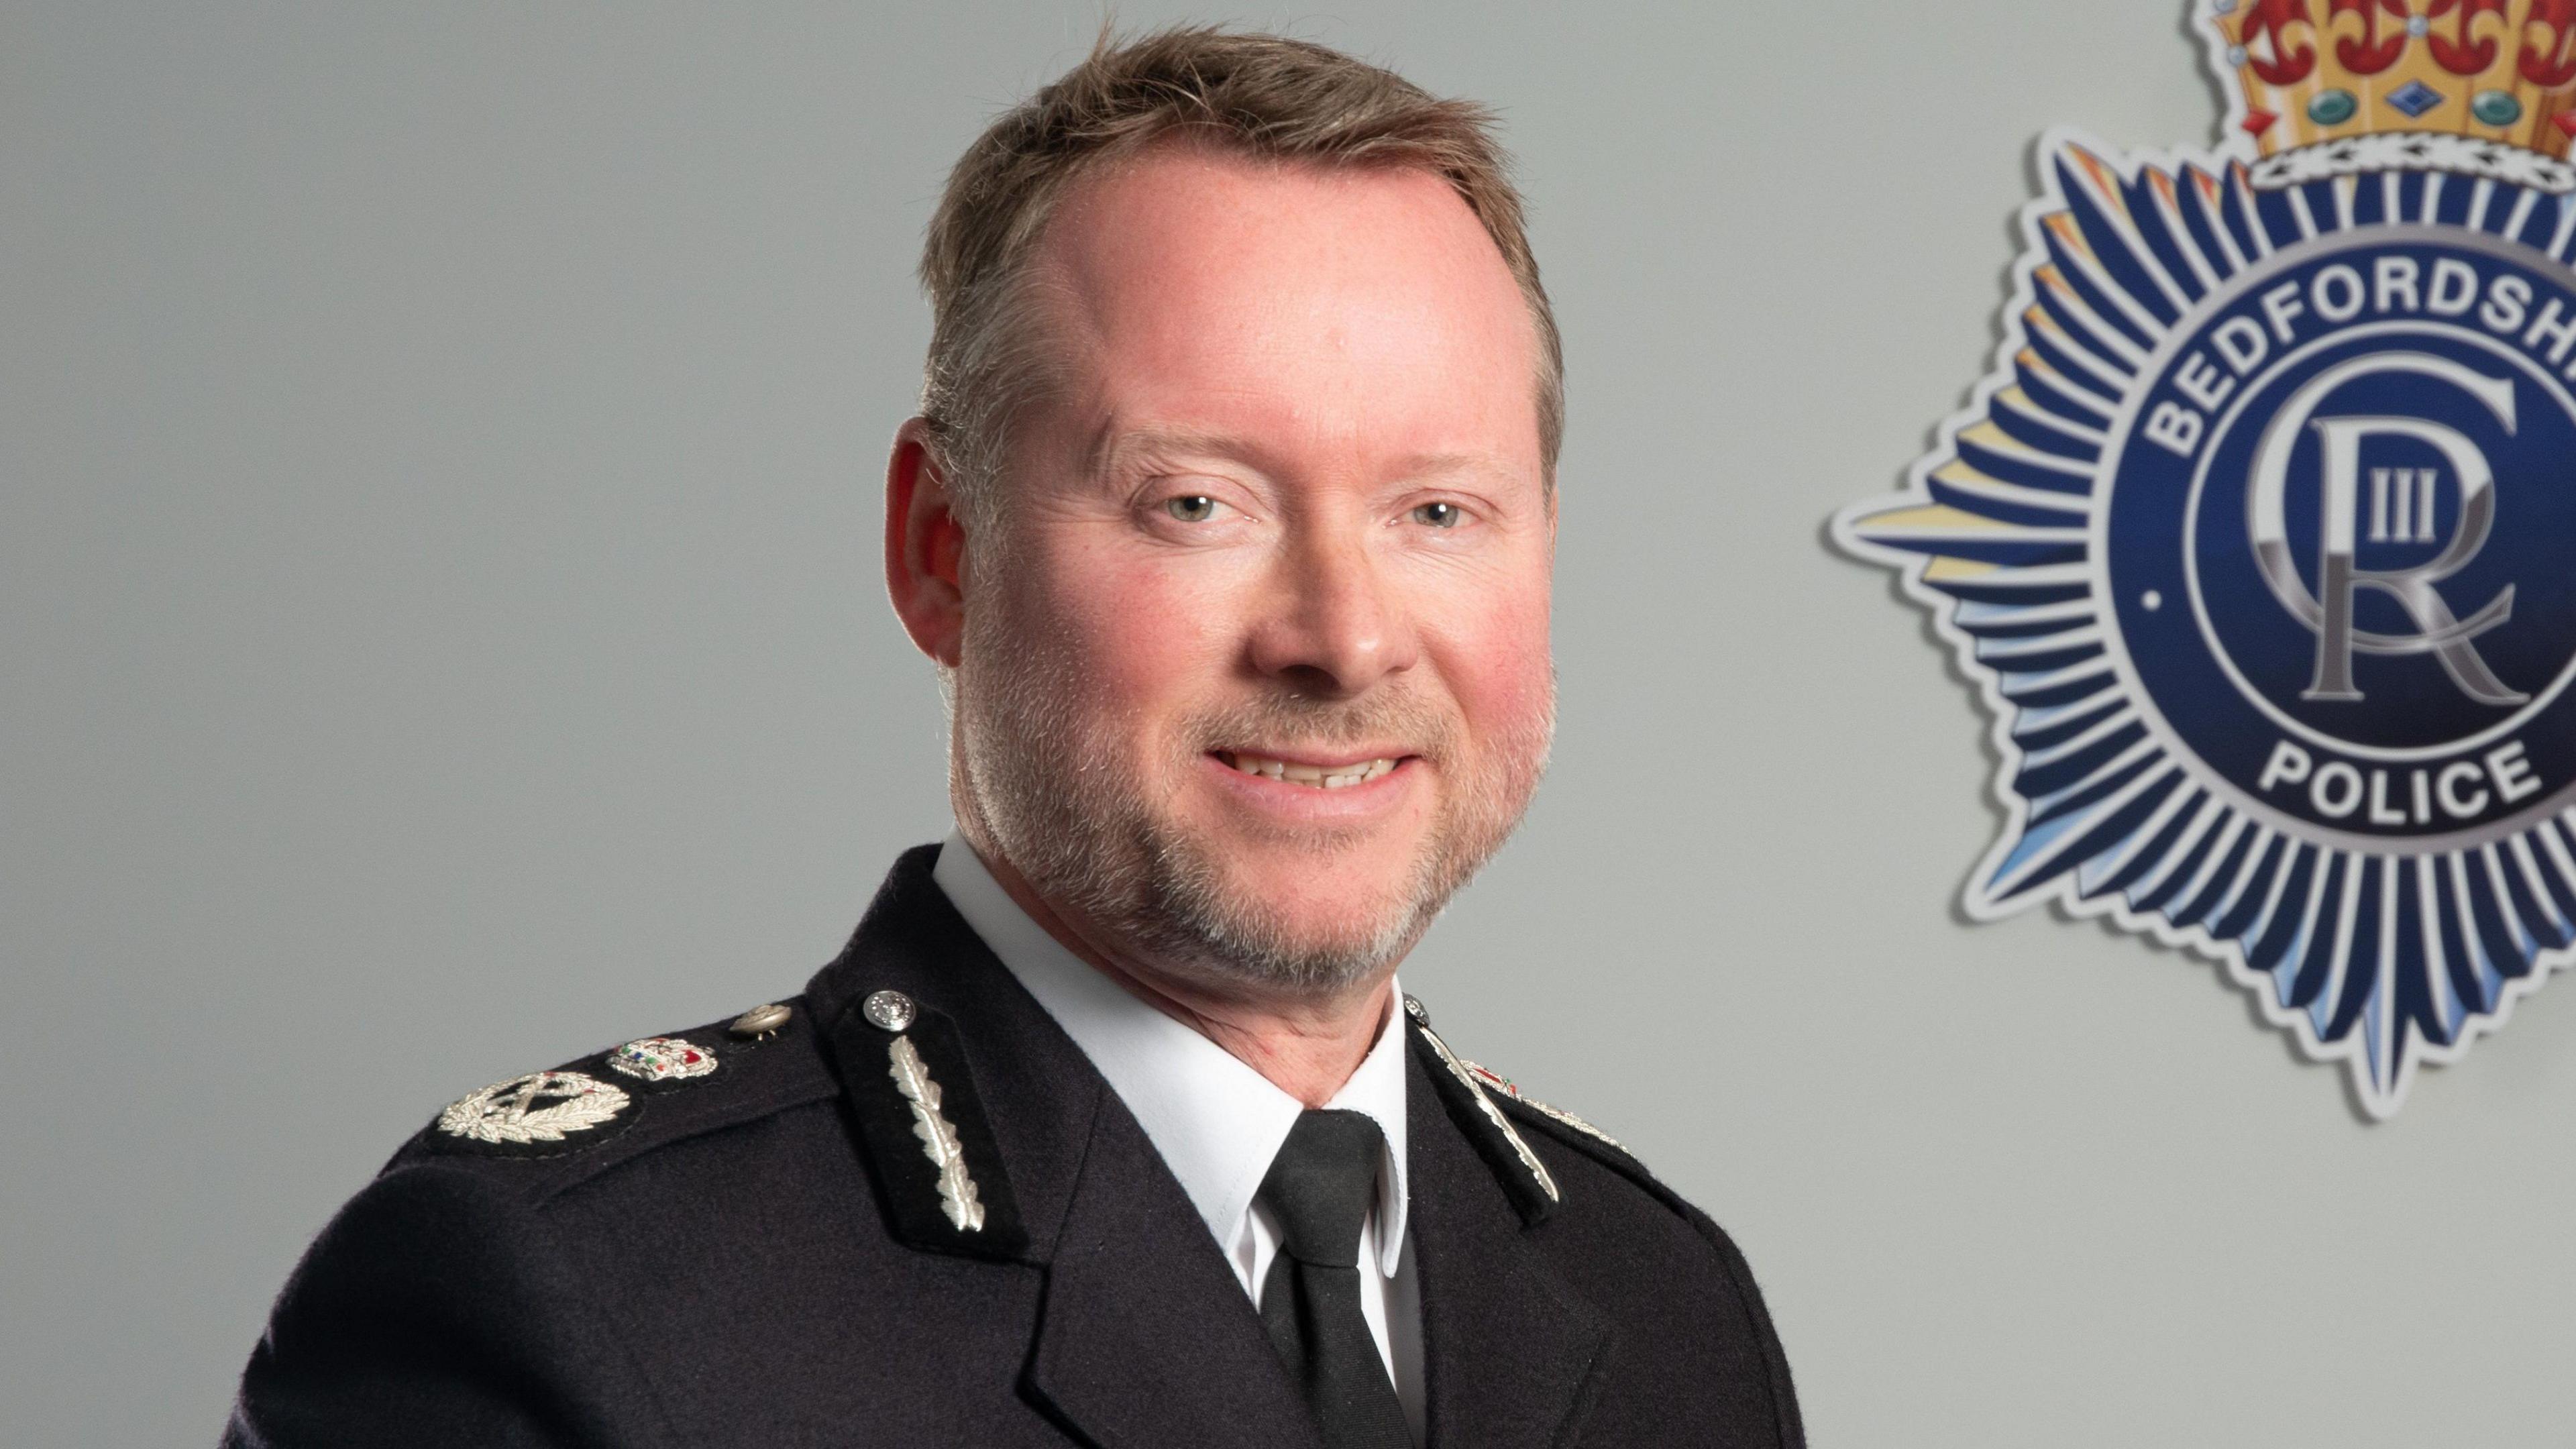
column 1089, row 840
column 1189, row 916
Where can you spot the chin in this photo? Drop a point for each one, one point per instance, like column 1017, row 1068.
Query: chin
column 1305, row 926
column 1319, row 876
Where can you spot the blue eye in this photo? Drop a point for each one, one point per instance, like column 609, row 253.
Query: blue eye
column 1439, row 515
column 1191, row 507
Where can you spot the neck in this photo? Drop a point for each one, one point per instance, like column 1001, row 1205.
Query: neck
column 1305, row 1046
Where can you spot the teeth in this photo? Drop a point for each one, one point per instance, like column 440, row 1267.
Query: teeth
column 1340, row 777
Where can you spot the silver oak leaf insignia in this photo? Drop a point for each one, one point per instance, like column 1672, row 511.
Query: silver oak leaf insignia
column 938, row 1136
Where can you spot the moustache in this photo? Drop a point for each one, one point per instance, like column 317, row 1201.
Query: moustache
column 1380, row 718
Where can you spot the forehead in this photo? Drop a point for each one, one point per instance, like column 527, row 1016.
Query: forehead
column 1353, row 308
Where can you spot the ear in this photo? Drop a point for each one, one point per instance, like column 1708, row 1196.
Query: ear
column 925, row 547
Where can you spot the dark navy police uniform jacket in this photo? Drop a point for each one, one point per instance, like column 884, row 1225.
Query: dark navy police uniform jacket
column 766, row 1254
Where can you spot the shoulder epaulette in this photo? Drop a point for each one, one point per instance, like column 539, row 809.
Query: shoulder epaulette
column 681, row 1084
column 1582, row 1136
column 1488, row 1104
column 1497, row 1082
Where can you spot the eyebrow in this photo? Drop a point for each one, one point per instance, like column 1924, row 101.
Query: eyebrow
column 1113, row 446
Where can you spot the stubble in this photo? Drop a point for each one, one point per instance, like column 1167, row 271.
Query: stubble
column 1054, row 779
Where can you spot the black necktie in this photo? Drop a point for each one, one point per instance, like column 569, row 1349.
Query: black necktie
column 1320, row 1188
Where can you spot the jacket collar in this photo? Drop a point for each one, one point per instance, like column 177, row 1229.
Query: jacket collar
column 1143, row 1334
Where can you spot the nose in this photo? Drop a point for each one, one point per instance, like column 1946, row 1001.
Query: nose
column 1334, row 627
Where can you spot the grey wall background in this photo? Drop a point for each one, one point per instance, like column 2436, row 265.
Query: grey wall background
column 440, row 633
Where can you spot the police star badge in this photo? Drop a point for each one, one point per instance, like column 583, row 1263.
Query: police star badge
column 2255, row 540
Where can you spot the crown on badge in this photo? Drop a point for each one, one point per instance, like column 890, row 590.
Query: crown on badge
column 2336, row 86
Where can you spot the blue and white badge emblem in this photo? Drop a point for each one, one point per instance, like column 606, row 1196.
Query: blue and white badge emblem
column 2260, row 541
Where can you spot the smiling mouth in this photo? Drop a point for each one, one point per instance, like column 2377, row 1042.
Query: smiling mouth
column 1319, row 777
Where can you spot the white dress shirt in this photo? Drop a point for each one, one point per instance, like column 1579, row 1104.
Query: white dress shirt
column 1216, row 1121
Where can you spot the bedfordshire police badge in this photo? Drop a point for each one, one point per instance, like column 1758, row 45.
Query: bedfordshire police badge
column 2260, row 540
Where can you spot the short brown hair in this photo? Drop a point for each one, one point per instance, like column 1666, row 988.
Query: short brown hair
column 1257, row 95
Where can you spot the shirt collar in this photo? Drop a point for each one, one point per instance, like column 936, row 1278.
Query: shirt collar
column 1216, row 1121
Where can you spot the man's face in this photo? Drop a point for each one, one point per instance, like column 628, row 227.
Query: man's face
column 1256, row 673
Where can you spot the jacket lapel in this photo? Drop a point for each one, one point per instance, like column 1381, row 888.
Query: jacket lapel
column 1142, row 1335
column 1509, row 1352
column 1146, row 1336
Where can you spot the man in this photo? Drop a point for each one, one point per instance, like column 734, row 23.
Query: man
column 1228, row 522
